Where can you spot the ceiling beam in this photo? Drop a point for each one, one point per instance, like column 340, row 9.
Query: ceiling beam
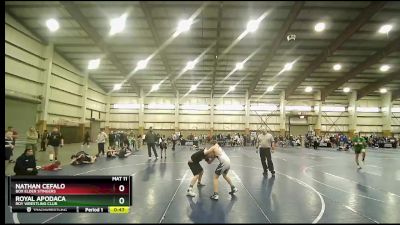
column 236, row 5
column 396, row 94
column 352, row 28
column 375, row 58
column 291, row 18
column 206, row 19
column 217, row 47
column 378, row 84
column 139, row 31
column 74, row 11
column 41, row 38
column 150, row 22
column 45, row 41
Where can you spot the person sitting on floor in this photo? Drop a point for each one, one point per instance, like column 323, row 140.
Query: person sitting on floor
column 82, row 158
column 51, row 167
column 26, row 163
column 124, row 152
column 111, row 152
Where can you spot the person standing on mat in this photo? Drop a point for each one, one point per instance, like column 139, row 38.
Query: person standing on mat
column 197, row 170
column 86, row 139
column 267, row 146
column 55, row 140
column 223, row 168
column 151, row 140
column 43, row 141
column 101, row 140
column 163, row 146
column 315, row 142
column 174, row 139
column 111, row 139
column 359, row 147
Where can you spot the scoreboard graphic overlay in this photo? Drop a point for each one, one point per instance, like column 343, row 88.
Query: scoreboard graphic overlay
column 77, row 194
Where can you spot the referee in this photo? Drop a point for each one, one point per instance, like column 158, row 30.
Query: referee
column 266, row 143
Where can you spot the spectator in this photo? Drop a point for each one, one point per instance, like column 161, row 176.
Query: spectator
column 26, row 163
column 86, row 139
column 124, row 152
column 151, row 140
column 43, row 141
column 31, row 139
column 139, row 141
column 174, row 139
column 129, row 137
column 55, row 140
column 298, row 142
column 111, row 139
column 163, row 146
column 315, row 142
column 9, row 147
column 125, row 140
column 111, row 152
column 101, row 140
column 291, row 141
column 14, row 138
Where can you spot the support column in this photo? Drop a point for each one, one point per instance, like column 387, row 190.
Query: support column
column 108, row 109
column 141, row 112
column 318, row 110
column 84, row 97
column 177, row 112
column 81, row 131
column 282, row 124
column 387, row 114
column 352, row 113
column 211, row 114
column 84, row 103
column 48, row 64
column 41, row 125
column 247, row 116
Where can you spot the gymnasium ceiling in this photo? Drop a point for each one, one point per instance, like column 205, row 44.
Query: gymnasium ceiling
column 351, row 38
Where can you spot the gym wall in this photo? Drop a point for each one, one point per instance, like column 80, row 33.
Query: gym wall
column 21, row 115
column 25, row 71
column 124, row 118
column 396, row 118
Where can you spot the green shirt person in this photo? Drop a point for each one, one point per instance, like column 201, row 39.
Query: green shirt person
column 359, row 145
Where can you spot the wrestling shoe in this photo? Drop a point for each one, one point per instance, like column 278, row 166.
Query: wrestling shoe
column 234, row 190
column 190, row 193
column 214, row 196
